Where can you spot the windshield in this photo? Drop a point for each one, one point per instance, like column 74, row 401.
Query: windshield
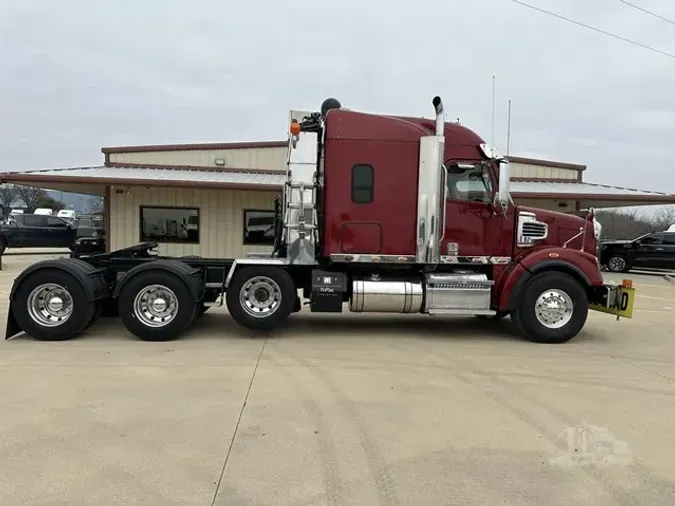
column 469, row 182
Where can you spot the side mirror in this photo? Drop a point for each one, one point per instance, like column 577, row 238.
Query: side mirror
column 503, row 193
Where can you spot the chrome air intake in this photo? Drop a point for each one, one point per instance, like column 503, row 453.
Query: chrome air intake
column 530, row 229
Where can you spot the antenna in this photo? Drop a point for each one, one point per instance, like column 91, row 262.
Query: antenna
column 492, row 140
column 508, row 130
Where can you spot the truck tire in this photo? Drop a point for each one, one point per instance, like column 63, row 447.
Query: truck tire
column 98, row 309
column 52, row 305
column 156, row 305
column 261, row 297
column 618, row 263
column 552, row 308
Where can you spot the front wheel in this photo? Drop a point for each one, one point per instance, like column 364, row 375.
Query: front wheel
column 552, row 308
column 260, row 298
column 618, row 263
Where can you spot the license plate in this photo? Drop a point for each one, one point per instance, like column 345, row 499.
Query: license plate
column 622, row 306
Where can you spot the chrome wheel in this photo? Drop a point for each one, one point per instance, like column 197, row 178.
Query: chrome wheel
column 554, row 308
column 155, row 306
column 260, row 296
column 50, row 305
column 616, row 264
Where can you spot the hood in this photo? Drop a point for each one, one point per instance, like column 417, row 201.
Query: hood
column 563, row 227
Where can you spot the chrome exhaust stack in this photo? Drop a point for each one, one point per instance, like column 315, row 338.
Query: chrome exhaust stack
column 440, row 121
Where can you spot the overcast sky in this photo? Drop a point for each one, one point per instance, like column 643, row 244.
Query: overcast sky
column 79, row 74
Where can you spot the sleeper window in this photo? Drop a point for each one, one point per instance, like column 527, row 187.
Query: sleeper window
column 363, row 181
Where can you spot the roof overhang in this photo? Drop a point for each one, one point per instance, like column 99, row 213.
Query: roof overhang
column 93, row 180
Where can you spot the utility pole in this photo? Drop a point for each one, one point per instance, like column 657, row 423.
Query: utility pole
column 492, row 140
column 508, row 130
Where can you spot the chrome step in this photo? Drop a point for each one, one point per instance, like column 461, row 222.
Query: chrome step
column 458, row 294
column 463, row 312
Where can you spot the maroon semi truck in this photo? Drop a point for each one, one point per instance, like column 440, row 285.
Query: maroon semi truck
column 378, row 213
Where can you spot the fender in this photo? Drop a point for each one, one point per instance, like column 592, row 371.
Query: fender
column 92, row 280
column 79, row 269
column 580, row 265
column 179, row 269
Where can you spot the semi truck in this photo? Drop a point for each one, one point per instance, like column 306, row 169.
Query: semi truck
column 378, row 213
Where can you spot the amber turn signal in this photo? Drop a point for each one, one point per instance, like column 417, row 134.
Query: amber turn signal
column 295, row 128
column 627, row 283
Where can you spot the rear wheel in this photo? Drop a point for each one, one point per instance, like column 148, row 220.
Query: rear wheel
column 52, row 305
column 552, row 309
column 260, row 298
column 156, row 306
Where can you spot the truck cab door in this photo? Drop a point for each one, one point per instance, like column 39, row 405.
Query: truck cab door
column 470, row 220
column 650, row 252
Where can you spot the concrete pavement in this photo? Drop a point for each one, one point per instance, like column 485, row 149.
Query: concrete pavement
column 344, row 409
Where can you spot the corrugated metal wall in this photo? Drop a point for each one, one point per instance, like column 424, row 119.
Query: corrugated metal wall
column 274, row 158
column 527, row 171
column 568, row 206
column 241, row 158
column 221, row 216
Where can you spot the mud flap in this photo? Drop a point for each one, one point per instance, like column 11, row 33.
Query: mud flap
column 13, row 328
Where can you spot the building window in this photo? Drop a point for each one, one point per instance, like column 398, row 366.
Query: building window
column 259, row 227
column 363, row 182
column 170, row 224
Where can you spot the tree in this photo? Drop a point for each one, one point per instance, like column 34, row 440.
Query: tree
column 49, row 203
column 30, row 196
column 665, row 218
column 94, row 205
column 8, row 194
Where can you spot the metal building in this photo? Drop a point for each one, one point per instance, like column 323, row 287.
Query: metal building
column 215, row 200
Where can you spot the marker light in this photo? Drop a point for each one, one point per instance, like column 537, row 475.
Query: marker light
column 295, row 128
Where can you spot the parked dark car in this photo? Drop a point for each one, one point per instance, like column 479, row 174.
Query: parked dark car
column 35, row 231
column 654, row 251
column 90, row 236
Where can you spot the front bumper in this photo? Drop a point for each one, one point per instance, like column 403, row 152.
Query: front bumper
column 617, row 300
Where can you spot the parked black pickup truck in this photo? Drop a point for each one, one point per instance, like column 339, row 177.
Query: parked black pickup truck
column 36, row 231
column 655, row 251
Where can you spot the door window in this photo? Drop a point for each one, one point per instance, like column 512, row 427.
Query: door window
column 669, row 239
column 33, row 221
column 55, row 222
column 469, row 182
column 652, row 239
